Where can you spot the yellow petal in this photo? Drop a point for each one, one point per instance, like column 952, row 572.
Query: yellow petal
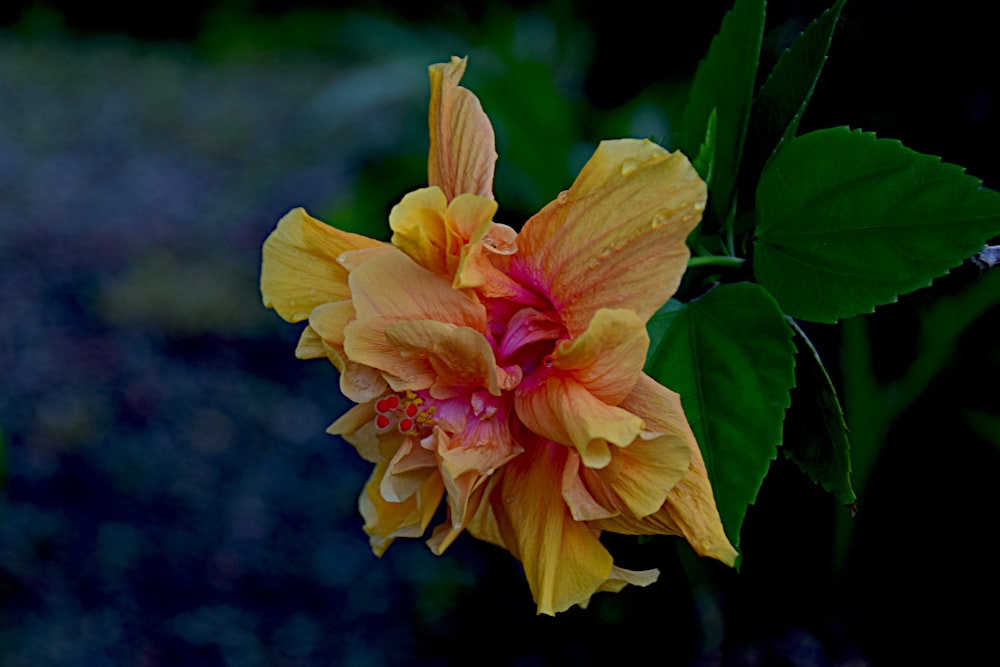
column 689, row 509
column 480, row 521
column 564, row 561
column 390, row 289
column 586, row 503
column 620, row 578
column 329, row 320
column 361, row 383
column 408, row 470
column 358, row 382
column 385, row 521
column 310, row 345
column 420, row 229
column 460, row 358
column 357, row 427
column 463, row 146
column 299, row 270
column 616, row 238
column 482, row 264
column 557, row 407
column 393, row 286
column 468, row 458
column 608, row 357
column 650, row 467
column 458, row 239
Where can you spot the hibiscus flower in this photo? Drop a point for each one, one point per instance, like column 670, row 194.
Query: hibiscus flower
column 502, row 371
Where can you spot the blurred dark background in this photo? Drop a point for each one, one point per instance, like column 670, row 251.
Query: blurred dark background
column 170, row 496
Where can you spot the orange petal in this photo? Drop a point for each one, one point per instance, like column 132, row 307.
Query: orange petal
column 584, row 503
column 358, row 382
column 385, row 521
column 463, row 146
column 564, row 561
column 389, row 289
column 299, row 270
column 461, row 358
column 392, row 285
column 607, row 357
column 408, row 470
column 616, row 238
column 468, row 458
column 480, row 521
column 478, row 263
column 361, row 383
column 689, row 509
column 557, row 407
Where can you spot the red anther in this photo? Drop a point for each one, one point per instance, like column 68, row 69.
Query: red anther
column 382, row 405
column 381, row 421
column 405, row 425
column 393, row 401
column 411, row 410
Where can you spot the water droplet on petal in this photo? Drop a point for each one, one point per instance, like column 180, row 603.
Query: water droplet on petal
column 509, row 499
column 699, row 206
column 491, row 471
column 628, row 166
column 563, row 196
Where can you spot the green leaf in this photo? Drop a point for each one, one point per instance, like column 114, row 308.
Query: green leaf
column 730, row 357
column 815, row 435
column 704, row 162
column 986, row 425
column 783, row 98
column 847, row 222
column 725, row 82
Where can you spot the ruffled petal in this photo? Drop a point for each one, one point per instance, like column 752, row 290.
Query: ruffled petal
column 300, row 271
column 620, row 578
column 564, row 561
column 479, row 521
column 393, row 286
column 468, row 458
column 358, row 382
column 616, row 238
column 357, row 427
column 456, row 239
column 408, row 470
column 420, row 229
column 607, row 357
column 636, row 482
column 689, row 509
column 557, row 407
column 463, row 146
column 585, row 503
column 391, row 289
column 385, row 521
column 310, row 345
column 460, row 359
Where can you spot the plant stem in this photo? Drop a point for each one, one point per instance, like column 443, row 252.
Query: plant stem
column 715, row 260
